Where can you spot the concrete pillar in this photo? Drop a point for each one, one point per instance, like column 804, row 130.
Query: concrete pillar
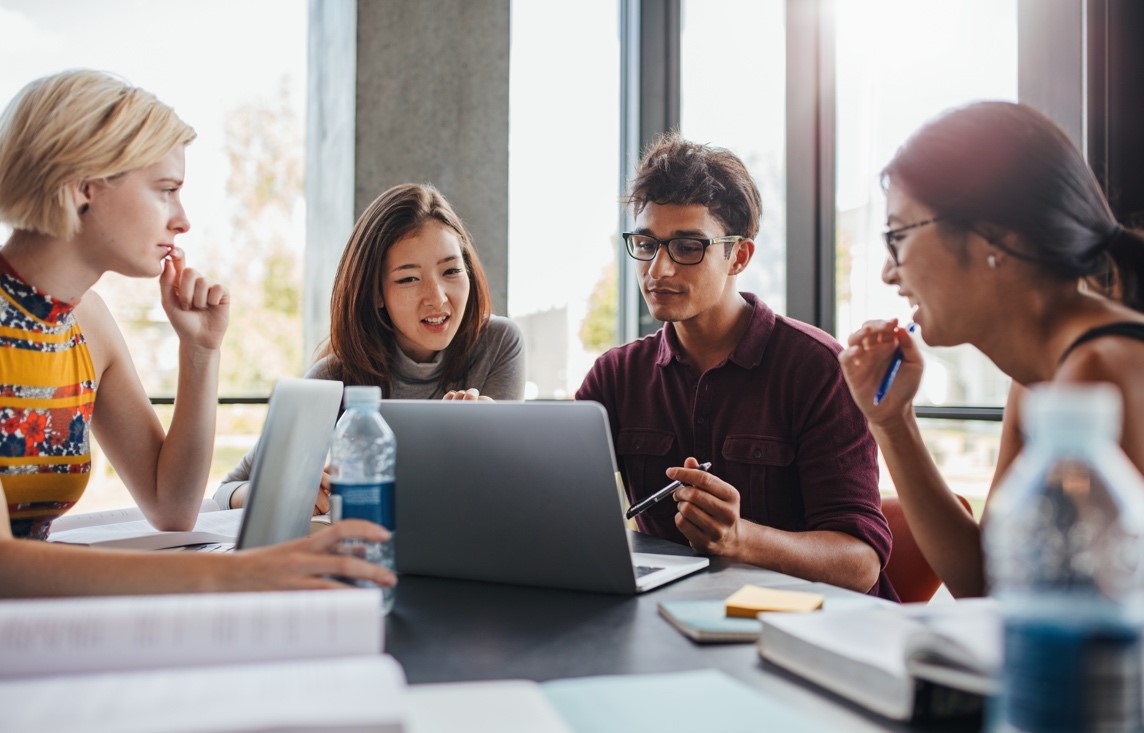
column 430, row 87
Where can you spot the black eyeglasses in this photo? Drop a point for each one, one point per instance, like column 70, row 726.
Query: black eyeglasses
column 681, row 250
column 893, row 236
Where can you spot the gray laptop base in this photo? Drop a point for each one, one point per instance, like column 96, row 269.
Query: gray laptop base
column 515, row 492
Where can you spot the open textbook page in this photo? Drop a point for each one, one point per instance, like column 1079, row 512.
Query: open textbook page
column 138, row 534
column 348, row 694
column 77, row 635
column 112, row 516
column 914, row 661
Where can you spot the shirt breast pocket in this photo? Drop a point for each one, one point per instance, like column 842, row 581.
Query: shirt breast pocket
column 644, row 459
column 762, row 469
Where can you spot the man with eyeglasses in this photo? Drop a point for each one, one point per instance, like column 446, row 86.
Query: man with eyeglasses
column 793, row 483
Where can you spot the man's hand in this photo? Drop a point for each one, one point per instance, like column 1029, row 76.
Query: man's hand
column 707, row 510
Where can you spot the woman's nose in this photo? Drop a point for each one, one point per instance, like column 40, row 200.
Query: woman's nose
column 889, row 271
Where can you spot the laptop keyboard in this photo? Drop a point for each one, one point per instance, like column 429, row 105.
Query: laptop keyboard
column 642, row 570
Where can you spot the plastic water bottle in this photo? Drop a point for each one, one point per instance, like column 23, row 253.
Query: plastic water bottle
column 363, row 460
column 1064, row 538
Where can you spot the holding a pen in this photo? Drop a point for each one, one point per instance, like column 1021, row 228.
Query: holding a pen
column 891, row 371
column 666, row 491
column 864, row 366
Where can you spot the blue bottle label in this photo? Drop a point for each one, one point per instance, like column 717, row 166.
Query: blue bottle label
column 374, row 502
column 1070, row 676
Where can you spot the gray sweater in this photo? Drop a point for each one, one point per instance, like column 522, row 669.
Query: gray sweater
column 496, row 368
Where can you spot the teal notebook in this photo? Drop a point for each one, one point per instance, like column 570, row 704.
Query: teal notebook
column 675, row 702
column 706, row 621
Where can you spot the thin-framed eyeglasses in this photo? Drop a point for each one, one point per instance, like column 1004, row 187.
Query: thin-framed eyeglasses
column 681, row 250
column 893, row 236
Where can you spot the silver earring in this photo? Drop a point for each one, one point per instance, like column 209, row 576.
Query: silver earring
column 991, row 260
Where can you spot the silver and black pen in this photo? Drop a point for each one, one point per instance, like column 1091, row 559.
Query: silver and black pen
column 655, row 498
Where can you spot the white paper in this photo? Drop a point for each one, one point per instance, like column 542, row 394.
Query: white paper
column 347, row 694
column 74, row 635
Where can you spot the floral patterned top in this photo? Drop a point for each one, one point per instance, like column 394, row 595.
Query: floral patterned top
column 47, row 393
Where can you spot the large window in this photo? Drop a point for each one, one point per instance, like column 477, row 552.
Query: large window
column 732, row 95
column 243, row 190
column 898, row 63
column 564, row 187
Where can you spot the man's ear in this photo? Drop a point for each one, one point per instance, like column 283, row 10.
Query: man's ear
column 741, row 255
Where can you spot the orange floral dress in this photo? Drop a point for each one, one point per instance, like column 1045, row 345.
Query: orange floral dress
column 47, row 393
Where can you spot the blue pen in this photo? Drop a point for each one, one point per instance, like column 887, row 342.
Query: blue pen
column 891, row 371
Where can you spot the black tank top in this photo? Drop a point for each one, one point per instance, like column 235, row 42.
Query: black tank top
column 1131, row 329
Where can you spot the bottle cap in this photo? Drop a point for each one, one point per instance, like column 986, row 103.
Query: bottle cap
column 361, row 395
column 1081, row 411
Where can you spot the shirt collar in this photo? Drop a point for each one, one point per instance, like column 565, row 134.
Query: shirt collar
column 749, row 351
column 33, row 300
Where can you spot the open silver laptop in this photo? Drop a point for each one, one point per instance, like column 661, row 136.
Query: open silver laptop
column 288, row 462
column 516, row 492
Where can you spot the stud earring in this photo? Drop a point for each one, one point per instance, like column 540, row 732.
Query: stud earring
column 84, row 209
column 991, row 260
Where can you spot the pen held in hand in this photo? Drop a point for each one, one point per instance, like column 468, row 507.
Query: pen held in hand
column 891, row 371
column 663, row 493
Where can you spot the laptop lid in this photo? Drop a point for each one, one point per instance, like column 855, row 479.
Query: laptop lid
column 514, row 492
column 288, row 460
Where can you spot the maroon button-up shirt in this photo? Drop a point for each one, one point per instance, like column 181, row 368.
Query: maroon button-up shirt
column 775, row 419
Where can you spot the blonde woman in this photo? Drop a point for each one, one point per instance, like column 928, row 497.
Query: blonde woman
column 90, row 174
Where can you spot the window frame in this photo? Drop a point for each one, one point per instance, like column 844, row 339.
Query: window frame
column 1051, row 47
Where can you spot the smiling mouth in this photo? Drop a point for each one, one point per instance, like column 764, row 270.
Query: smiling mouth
column 435, row 320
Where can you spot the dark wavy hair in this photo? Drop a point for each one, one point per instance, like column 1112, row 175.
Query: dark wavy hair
column 361, row 333
column 676, row 171
column 988, row 167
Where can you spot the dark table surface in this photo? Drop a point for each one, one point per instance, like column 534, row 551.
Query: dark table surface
column 444, row 630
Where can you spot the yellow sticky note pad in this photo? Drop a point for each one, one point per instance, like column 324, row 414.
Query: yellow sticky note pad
column 751, row 599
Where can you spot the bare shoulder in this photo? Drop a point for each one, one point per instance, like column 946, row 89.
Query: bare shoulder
column 104, row 341
column 1113, row 358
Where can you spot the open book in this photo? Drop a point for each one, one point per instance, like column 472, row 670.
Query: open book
column 221, row 662
column 126, row 529
column 121, row 529
column 908, row 662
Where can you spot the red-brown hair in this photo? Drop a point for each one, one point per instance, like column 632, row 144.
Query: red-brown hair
column 361, row 333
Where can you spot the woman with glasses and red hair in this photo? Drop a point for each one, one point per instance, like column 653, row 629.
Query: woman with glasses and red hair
column 993, row 220
column 411, row 313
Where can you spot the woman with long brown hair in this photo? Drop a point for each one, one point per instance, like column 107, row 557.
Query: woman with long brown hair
column 411, row 313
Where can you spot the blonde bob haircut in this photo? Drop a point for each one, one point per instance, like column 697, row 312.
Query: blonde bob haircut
column 76, row 126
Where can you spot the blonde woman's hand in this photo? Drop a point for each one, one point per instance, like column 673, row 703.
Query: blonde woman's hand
column 471, row 394
column 198, row 308
column 308, row 563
